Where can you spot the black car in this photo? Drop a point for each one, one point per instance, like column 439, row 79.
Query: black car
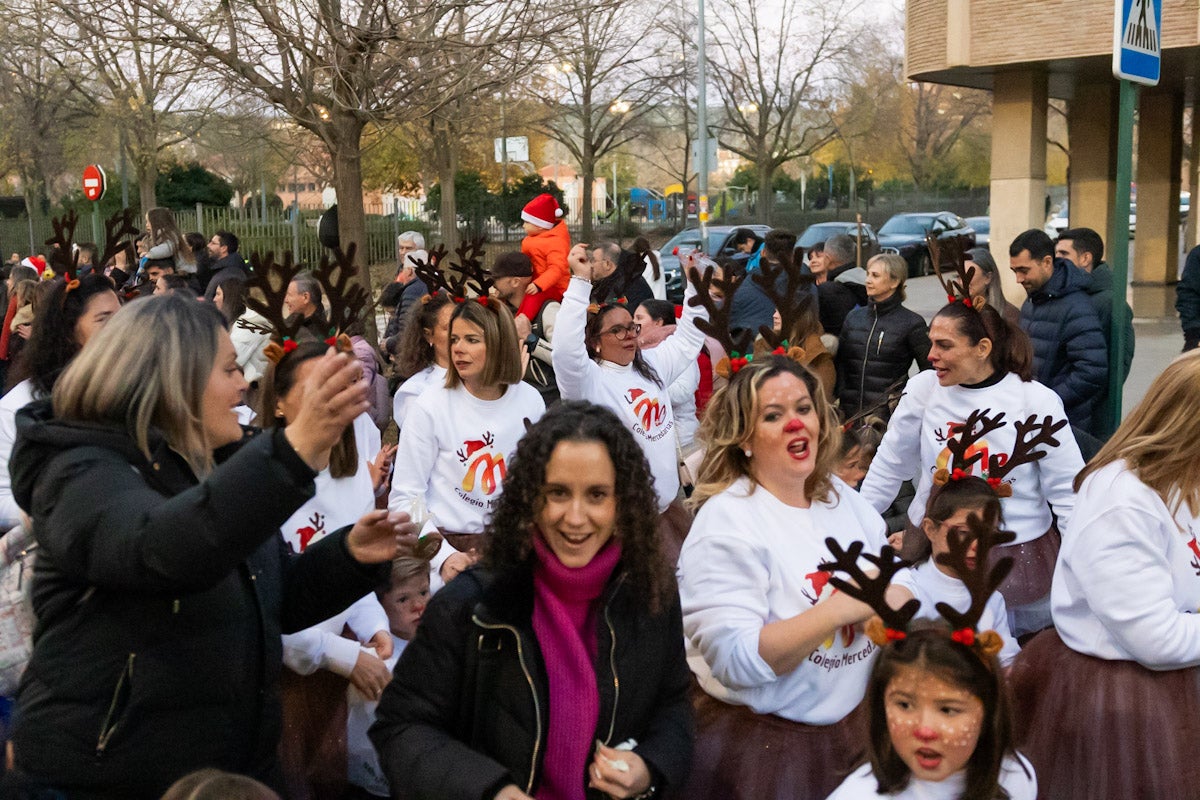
column 821, row 231
column 905, row 234
column 688, row 240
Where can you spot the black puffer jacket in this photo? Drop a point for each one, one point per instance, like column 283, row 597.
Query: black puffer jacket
column 160, row 603
column 467, row 710
column 1069, row 353
column 875, row 349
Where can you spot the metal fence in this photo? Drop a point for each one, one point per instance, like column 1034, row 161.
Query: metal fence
column 278, row 231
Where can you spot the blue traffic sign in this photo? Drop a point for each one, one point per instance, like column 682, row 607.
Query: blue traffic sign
column 1137, row 41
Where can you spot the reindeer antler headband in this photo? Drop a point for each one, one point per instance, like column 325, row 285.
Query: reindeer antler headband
column 63, row 257
column 471, row 281
column 1033, row 437
column 739, row 346
column 271, row 278
column 981, row 578
column 956, row 290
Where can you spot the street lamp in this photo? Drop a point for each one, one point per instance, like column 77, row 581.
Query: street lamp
column 748, row 108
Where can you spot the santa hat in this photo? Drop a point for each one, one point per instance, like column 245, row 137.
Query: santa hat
column 543, row 211
column 35, row 262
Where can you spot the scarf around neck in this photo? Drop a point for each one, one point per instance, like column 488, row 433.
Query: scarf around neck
column 563, row 602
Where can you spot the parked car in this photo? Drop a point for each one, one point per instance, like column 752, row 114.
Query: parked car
column 983, row 229
column 1058, row 221
column 823, row 230
column 688, row 240
column 905, row 234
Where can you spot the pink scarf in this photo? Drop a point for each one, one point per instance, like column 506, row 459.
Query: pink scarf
column 564, row 623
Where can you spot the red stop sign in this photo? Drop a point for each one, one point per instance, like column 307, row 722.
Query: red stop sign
column 94, row 182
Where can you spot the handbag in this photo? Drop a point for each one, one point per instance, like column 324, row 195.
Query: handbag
column 17, row 552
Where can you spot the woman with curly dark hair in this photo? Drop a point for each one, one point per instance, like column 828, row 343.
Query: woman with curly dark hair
column 556, row 669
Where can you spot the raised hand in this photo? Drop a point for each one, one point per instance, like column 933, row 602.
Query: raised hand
column 381, row 536
column 334, row 394
column 579, row 263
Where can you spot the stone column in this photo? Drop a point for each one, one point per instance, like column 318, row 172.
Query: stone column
column 1159, row 161
column 1091, row 125
column 1018, row 199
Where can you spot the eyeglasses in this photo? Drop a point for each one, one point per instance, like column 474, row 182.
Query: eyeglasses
column 623, row 332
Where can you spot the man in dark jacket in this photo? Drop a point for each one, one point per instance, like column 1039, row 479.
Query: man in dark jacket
column 223, row 247
column 401, row 295
column 844, row 286
column 752, row 308
column 1069, row 354
column 618, row 274
column 1187, row 300
column 1084, row 248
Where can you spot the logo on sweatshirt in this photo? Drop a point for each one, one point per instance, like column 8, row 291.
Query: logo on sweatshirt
column 647, row 410
column 315, row 529
column 820, row 587
column 980, row 448
column 1195, row 548
column 484, row 465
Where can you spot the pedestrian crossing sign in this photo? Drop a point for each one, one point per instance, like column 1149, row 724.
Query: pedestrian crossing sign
column 1137, row 41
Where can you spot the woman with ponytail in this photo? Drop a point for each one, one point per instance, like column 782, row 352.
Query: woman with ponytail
column 982, row 371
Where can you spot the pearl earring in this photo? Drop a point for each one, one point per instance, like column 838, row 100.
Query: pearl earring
column 747, row 452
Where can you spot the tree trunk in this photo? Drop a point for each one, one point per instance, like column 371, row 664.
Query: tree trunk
column 344, row 143
column 445, row 147
column 587, row 177
column 766, row 194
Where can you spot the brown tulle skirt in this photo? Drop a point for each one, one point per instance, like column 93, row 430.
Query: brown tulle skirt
column 1105, row 730
column 312, row 749
column 741, row 755
column 1033, row 563
column 464, row 542
column 673, row 527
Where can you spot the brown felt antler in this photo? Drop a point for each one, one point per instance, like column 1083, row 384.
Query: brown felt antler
column 981, row 574
column 978, row 424
column 1032, row 439
column 791, row 303
column 470, row 267
column 271, row 279
column 717, row 324
column 60, row 254
column 955, row 290
column 870, row 589
column 431, row 273
column 346, row 298
column 117, row 230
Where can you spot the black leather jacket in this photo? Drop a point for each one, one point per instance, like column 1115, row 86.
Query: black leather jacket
column 467, row 710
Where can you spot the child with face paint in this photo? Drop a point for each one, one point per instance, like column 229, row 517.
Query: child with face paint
column 931, row 582
column 939, row 725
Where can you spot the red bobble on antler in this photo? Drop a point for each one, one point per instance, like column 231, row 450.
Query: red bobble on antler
column 967, row 302
column 289, row 345
column 894, row 635
column 964, row 636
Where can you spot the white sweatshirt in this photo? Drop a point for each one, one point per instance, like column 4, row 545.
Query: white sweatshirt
column 338, row 502
column 17, row 398
column 683, row 404
column 250, row 345
column 411, row 389
column 914, row 448
column 1127, row 583
column 454, row 450
column 750, row 559
column 932, row 586
column 1016, row 777
column 362, row 760
column 642, row 404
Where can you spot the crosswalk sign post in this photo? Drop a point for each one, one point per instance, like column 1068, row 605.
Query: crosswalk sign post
column 1137, row 41
column 1137, row 59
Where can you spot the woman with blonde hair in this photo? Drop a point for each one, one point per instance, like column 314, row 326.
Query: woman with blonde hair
column 162, row 585
column 782, row 667
column 1126, row 643
column 881, row 341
